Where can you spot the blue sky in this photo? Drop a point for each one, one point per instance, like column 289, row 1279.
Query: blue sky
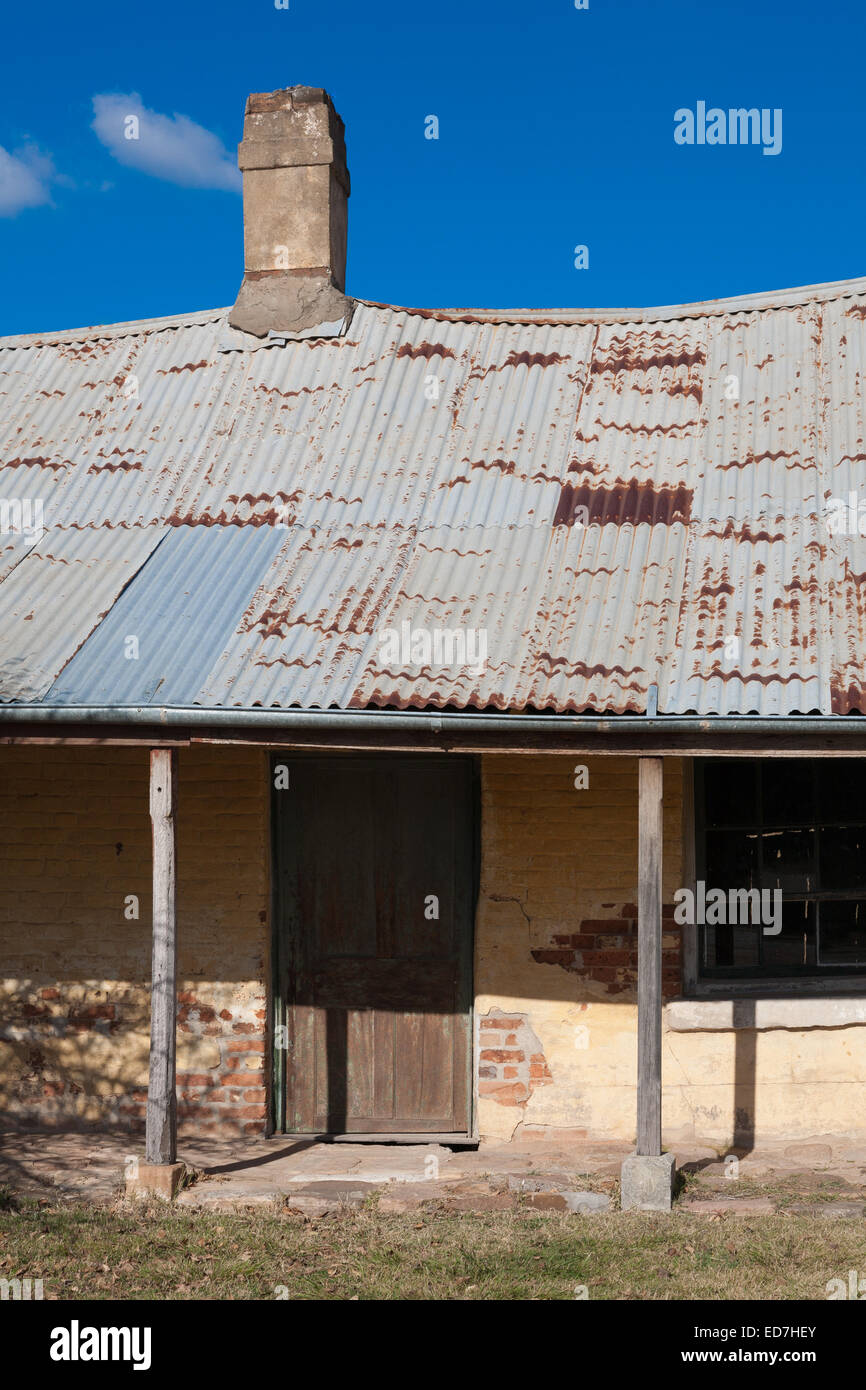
column 556, row 129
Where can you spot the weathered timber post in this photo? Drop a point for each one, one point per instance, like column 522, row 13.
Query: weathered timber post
column 647, row 1175
column 649, row 958
column 161, row 1136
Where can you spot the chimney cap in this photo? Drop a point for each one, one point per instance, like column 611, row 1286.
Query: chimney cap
column 287, row 99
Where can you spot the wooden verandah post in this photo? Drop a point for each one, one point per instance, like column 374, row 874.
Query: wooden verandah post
column 647, row 1177
column 161, row 1127
column 649, row 958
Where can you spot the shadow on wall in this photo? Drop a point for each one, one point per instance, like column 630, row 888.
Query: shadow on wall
column 745, row 1073
column 75, row 936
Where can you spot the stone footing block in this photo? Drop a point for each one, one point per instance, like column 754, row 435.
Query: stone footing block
column 648, row 1182
column 156, row 1180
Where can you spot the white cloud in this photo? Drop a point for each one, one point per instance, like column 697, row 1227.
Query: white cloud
column 25, row 180
column 168, row 147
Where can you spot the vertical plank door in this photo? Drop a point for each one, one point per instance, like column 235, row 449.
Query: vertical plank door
column 375, row 900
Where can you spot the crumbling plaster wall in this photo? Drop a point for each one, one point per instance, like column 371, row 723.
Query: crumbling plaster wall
column 555, row 960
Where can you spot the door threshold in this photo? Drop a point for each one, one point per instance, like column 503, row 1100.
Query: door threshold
column 464, row 1141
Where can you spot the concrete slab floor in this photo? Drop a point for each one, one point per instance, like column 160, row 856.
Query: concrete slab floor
column 316, row 1176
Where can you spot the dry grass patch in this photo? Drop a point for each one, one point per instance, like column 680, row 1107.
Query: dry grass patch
column 169, row 1253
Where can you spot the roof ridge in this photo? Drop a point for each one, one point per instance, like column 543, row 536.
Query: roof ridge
column 706, row 308
column 112, row 330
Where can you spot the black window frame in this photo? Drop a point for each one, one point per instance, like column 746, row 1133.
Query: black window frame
column 833, row 978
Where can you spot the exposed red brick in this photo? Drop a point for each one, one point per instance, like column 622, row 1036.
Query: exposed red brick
column 551, row 957
column 594, row 958
column 510, row 1093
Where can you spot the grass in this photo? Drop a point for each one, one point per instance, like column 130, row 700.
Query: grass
column 167, row 1253
column 783, row 1190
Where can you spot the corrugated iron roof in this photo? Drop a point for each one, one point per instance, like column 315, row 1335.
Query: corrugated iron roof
column 608, row 500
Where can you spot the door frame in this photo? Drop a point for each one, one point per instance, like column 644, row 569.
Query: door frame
column 278, row 1004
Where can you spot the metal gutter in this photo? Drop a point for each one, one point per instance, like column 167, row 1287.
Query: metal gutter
column 197, row 717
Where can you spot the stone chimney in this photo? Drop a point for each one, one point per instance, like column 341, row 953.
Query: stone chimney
column 296, row 187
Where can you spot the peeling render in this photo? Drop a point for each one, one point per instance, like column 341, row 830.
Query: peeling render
column 555, row 941
column 511, row 1060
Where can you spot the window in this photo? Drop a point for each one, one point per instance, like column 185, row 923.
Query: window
column 794, row 829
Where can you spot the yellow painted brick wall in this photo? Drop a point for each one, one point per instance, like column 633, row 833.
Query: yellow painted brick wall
column 556, row 940
column 554, row 968
column 554, row 980
column 75, row 842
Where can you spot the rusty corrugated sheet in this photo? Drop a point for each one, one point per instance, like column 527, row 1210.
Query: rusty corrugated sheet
column 613, row 502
